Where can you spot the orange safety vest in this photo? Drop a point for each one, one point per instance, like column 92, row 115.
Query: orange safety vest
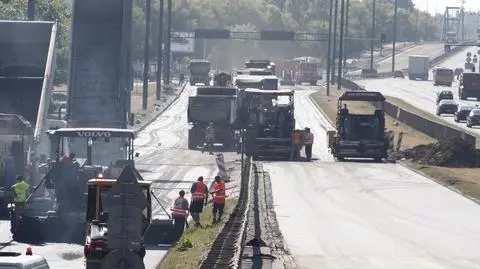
column 309, row 138
column 180, row 207
column 200, row 190
column 296, row 138
column 219, row 197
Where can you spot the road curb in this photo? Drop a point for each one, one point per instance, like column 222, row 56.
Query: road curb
column 332, row 125
column 142, row 127
column 473, row 199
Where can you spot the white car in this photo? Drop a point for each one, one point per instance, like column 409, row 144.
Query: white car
column 15, row 260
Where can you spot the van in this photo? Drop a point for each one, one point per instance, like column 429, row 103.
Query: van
column 443, row 76
column 15, row 260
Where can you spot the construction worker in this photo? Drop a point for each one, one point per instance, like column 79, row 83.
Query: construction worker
column 209, row 137
column 179, row 213
column 20, row 191
column 296, row 145
column 199, row 197
column 218, row 199
column 308, row 144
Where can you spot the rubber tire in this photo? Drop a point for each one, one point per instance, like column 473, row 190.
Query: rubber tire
column 378, row 159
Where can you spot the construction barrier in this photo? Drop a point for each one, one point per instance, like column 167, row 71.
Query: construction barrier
column 222, row 170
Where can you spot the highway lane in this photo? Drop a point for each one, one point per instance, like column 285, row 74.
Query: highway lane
column 368, row 215
column 422, row 94
column 165, row 160
column 401, row 59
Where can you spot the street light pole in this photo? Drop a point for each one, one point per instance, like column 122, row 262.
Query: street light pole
column 146, row 60
column 340, row 48
column 31, row 10
column 394, row 34
column 160, row 52
column 168, row 44
column 329, row 50
column 334, row 52
column 373, row 35
column 346, row 34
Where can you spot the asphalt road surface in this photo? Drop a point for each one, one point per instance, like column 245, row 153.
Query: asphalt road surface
column 401, row 59
column 368, row 215
column 422, row 94
column 165, row 160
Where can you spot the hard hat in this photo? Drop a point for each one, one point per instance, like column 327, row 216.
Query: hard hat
column 29, row 251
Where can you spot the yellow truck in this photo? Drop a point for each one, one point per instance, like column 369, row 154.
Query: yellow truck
column 443, row 76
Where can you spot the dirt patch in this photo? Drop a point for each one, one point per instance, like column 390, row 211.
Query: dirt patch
column 453, row 152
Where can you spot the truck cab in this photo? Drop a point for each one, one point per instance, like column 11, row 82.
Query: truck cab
column 360, row 127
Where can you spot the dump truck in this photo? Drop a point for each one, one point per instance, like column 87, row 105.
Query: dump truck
column 359, row 127
column 257, row 82
column 268, row 118
column 469, row 86
column 418, row 67
column 27, row 66
column 219, row 105
column 57, row 203
column 199, row 72
column 307, row 72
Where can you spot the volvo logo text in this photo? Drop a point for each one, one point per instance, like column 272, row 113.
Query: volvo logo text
column 94, row 134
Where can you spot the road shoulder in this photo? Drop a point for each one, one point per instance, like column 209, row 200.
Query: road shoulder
column 464, row 180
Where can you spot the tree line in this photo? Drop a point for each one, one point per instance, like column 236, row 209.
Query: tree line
column 248, row 15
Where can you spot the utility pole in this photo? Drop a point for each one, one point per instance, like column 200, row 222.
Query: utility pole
column 146, row 62
column 346, row 34
column 394, row 34
column 373, row 35
column 158, row 94
column 340, row 48
column 329, row 50
column 168, row 44
column 334, row 52
column 31, row 10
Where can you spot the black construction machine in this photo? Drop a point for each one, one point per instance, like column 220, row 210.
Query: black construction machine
column 222, row 79
column 269, row 122
column 55, row 210
column 360, row 127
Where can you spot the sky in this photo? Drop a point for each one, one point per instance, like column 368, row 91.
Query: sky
column 473, row 5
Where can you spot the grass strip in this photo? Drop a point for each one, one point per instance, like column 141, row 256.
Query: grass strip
column 192, row 246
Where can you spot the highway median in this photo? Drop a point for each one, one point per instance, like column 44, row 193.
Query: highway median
column 460, row 176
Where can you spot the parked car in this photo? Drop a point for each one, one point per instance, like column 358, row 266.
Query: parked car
column 444, row 95
column 462, row 113
column 16, row 260
column 398, row 74
column 473, row 118
column 447, row 107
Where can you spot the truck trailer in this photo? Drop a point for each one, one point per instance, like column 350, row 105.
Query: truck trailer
column 418, row 67
column 219, row 105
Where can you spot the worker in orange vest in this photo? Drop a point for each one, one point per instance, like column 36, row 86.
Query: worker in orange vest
column 179, row 213
column 199, row 194
column 308, row 144
column 296, row 145
column 218, row 199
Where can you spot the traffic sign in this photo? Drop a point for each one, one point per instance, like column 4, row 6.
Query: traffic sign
column 126, row 260
column 125, row 203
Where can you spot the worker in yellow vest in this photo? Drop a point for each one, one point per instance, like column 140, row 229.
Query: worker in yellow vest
column 20, row 191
